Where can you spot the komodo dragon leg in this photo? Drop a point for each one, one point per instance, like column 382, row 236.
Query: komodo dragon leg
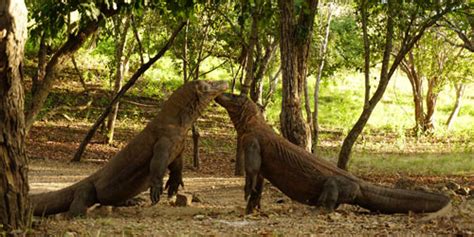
column 337, row 190
column 84, row 197
column 253, row 180
column 158, row 165
column 176, row 175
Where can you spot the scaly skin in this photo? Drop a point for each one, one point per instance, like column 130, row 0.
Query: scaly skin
column 143, row 162
column 306, row 178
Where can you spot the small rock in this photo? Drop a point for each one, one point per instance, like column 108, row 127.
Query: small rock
column 199, row 217
column 196, row 198
column 183, row 200
column 69, row 234
column 453, row 186
column 463, row 191
column 103, row 210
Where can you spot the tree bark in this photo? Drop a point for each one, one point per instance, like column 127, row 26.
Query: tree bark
column 295, row 38
column 14, row 203
column 128, row 85
column 42, row 56
column 457, row 104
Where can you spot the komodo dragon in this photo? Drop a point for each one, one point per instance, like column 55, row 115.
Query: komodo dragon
column 143, row 162
column 306, row 178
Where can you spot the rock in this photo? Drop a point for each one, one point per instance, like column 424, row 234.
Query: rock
column 471, row 192
column 453, row 186
column 463, row 191
column 183, row 199
column 196, row 198
column 199, row 217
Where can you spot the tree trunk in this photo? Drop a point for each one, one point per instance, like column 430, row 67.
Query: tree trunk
column 253, row 38
column 431, row 99
column 79, row 73
column 457, row 105
column 365, row 36
column 295, row 39
column 14, row 203
column 409, row 40
column 408, row 67
column 367, row 111
column 125, row 88
column 322, row 56
column 256, row 87
column 42, row 54
column 273, row 81
column 121, row 31
column 39, row 96
column 73, row 43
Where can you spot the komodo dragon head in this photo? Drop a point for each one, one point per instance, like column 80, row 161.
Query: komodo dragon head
column 190, row 100
column 241, row 109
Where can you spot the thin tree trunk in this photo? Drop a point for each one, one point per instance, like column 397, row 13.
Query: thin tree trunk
column 253, row 38
column 256, row 87
column 79, row 73
column 15, row 212
column 73, row 43
column 307, row 106
column 408, row 67
column 42, row 54
column 273, row 86
column 128, row 85
column 431, row 99
column 365, row 36
column 322, row 56
column 384, row 79
column 385, row 74
column 457, row 104
column 195, row 128
column 121, row 31
column 294, row 51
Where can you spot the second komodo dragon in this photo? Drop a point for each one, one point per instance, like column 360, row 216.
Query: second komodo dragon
column 143, row 162
column 306, row 178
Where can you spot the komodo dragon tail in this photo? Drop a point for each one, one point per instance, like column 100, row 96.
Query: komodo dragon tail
column 391, row 200
column 53, row 202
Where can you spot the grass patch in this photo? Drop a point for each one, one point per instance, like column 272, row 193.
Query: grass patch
column 419, row 164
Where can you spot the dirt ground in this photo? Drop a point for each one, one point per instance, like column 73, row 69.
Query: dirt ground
column 220, row 211
column 221, row 207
